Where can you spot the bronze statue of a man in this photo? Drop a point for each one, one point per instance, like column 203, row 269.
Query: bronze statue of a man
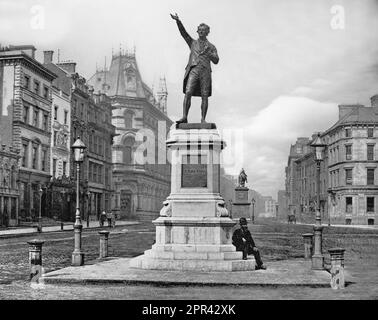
column 197, row 79
column 242, row 178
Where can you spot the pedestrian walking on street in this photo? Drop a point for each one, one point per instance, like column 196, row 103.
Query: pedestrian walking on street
column 243, row 241
column 109, row 218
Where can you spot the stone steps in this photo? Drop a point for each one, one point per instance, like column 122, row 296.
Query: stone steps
column 144, row 262
column 177, row 255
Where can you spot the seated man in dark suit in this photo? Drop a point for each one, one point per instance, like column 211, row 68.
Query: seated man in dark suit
column 243, row 241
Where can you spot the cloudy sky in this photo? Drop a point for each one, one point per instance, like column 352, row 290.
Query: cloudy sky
column 284, row 65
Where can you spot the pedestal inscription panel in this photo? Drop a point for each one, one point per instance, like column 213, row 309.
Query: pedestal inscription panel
column 194, row 172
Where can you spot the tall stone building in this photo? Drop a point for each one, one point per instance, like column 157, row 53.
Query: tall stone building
column 282, row 208
column 348, row 174
column 29, row 83
column 140, row 171
column 352, row 165
column 297, row 150
column 61, row 184
column 91, row 121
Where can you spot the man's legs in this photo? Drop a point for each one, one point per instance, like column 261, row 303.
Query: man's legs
column 257, row 256
column 204, row 106
column 186, row 107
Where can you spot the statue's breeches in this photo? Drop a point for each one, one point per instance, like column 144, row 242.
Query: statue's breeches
column 198, row 82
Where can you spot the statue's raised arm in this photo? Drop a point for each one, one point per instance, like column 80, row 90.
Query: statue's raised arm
column 182, row 30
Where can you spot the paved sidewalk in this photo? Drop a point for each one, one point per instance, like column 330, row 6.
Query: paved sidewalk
column 296, row 272
column 356, row 226
column 67, row 226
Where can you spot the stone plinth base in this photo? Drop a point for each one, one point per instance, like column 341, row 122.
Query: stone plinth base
column 241, row 210
column 191, row 244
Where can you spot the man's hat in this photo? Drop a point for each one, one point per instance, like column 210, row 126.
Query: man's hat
column 243, row 221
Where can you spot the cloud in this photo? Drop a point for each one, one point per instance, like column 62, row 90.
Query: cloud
column 268, row 136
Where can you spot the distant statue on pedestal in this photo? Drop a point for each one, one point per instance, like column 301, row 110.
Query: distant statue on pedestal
column 197, row 79
column 242, row 178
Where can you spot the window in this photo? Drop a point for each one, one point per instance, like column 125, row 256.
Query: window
column 82, row 111
column 26, row 114
column 36, row 86
column 55, row 112
column 348, row 132
column 35, row 118
column 26, row 81
column 64, row 168
column 95, row 144
column 94, row 172
column 370, row 176
column 99, row 174
column 55, row 133
column 65, row 116
column 370, row 132
column 90, row 171
column 349, row 204
column 34, row 157
column 45, row 122
column 44, row 160
column 75, row 106
column 369, row 204
column 128, row 120
column 348, row 176
column 45, row 92
column 54, row 167
column 127, row 155
column 106, row 176
column 370, row 152
column 348, row 152
column 24, row 154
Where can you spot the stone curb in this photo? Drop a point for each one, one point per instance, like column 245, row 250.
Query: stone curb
column 158, row 283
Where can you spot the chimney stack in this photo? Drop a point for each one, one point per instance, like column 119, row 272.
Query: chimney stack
column 48, row 56
column 374, row 101
column 70, row 67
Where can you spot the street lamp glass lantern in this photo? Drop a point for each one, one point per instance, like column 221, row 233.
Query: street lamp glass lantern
column 253, row 200
column 78, row 148
column 318, row 145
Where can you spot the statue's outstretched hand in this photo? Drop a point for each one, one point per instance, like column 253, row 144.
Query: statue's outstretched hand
column 174, row 16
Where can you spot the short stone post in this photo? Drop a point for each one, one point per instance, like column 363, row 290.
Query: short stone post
column 307, row 240
column 35, row 259
column 104, row 236
column 337, row 268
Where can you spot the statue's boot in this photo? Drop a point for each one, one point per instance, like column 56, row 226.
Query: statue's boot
column 182, row 120
column 203, row 121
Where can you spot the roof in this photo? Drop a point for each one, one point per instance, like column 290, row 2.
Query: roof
column 121, row 79
column 63, row 81
column 358, row 114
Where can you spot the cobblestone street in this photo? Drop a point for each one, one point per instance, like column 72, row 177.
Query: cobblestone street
column 276, row 241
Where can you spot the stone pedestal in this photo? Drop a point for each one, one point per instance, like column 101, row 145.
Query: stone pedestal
column 194, row 231
column 241, row 207
column 337, row 268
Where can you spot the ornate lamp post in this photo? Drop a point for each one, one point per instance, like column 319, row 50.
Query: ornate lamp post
column 253, row 210
column 77, row 256
column 88, row 202
column 40, row 210
column 63, row 192
column 318, row 258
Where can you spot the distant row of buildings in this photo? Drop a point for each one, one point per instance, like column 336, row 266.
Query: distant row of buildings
column 349, row 176
column 45, row 106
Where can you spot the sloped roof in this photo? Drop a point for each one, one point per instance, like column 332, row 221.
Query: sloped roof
column 121, row 79
column 358, row 114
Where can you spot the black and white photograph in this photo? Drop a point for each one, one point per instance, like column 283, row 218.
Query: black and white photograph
column 188, row 154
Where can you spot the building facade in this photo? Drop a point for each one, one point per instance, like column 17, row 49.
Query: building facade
column 59, row 204
column 348, row 173
column 9, row 186
column 297, row 150
column 352, row 168
column 30, row 85
column 141, row 173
